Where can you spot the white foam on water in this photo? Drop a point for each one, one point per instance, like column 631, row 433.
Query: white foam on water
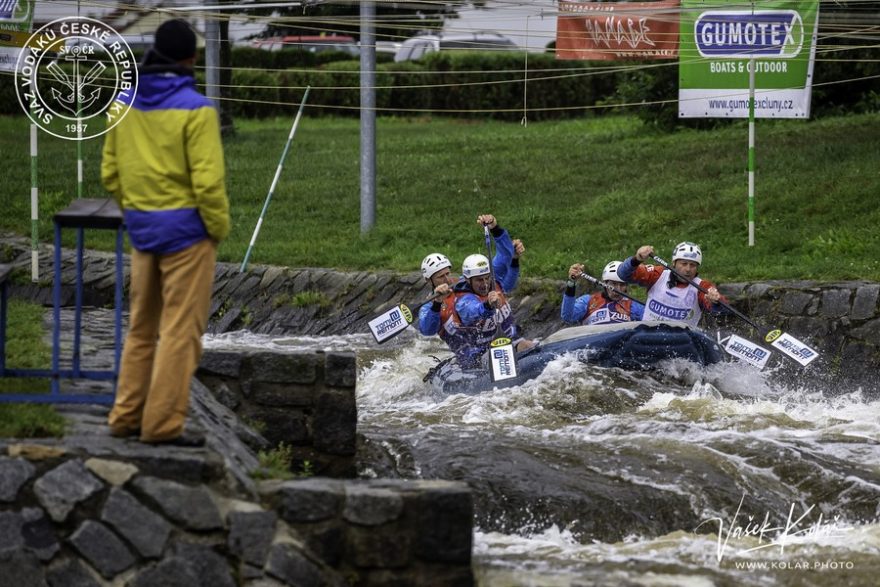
column 723, row 415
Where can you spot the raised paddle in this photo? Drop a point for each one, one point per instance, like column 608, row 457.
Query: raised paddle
column 502, row 358
column 789, row 345
column 595, row 281
column 739, row 347
column 392, row 322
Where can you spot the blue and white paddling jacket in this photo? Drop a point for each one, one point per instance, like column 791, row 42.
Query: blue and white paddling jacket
column 599, row 309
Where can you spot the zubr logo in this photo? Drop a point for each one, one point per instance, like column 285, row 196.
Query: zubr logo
column 72, row 72
column 743, row 34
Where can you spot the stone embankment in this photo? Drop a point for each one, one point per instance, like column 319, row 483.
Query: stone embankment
column 95, row 511
column 840, row 319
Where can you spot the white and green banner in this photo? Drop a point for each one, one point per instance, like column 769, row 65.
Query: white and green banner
column 718, row 40
column 16, row 18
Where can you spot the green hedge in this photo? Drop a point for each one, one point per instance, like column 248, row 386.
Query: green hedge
column 463, row 84
column 490, row 84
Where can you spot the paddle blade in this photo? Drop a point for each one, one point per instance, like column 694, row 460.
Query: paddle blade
column 791, row 346
column 388, row 325
column 745, row 350
column 502, row 359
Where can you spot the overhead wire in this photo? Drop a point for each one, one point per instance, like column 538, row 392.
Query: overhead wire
column 852, row 26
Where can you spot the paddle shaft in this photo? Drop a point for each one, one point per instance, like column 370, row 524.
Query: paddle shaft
column 592, row 279
column 733, row 310
column 491, row 269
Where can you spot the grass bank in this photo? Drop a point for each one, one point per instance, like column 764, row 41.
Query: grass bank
column 587, row 190
column 25, row 349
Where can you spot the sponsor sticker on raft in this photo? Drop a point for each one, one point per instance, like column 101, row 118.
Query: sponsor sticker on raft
column 745, row 350
column 502, row 359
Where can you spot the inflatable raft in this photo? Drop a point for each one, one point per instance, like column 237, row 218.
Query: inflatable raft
column 628, row 345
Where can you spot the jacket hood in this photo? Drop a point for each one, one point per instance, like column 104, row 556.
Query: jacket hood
column 158, row 83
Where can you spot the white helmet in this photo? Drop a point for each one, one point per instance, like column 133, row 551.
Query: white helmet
column 434, row 263
column 688, row 252
column 610, row 272
column 474, row 266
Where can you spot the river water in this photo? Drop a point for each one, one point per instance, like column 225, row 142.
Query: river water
column 592, row 476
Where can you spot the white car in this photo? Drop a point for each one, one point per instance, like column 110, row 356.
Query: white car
column 418, row 47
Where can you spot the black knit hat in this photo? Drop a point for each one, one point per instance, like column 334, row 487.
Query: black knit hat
column 175, row 40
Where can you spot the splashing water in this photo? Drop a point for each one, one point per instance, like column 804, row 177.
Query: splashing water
column 598, row 476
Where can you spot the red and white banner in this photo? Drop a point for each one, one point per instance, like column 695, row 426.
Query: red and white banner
column 613, row 31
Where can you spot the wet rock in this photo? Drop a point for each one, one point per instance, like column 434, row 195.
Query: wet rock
column 38, row 534
column 102, row 549
column 809, row 327
column 13, row 474
column 378, row 546
column 335, row 416
column 210, row 567
column 191, row 506
column 63, row 487
column 11, row 540
column 281, row 394
column 309, row 500
column 280, row 368
column 282, row 425
column 868, row 332
column 369, row 506
column 794, row 302
column 115, row 473
column 71, row 573
column 250, row 535
column 757, row 290
column 325, row 539
column 170, row 572
column 865, row 303
column 224, row 394
column 835, row 303
column 145, row 530
column 219, row 362
column 292, row 567
column 448, row 512
column 22, row 570
column 270, row 275
column 340, row 369
column 732, row 290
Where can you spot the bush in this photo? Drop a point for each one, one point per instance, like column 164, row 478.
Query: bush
column 254, row 94
column 408, row 91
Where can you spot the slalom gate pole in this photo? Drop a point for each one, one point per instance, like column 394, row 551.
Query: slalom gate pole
column 274, row 181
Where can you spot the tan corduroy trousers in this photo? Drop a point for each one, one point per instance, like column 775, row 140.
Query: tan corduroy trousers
column 169, row 304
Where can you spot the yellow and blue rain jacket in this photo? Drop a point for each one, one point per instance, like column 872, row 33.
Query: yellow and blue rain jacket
column 164, row 164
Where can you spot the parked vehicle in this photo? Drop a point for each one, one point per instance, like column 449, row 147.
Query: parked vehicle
column 310, row 43
column 418, row 47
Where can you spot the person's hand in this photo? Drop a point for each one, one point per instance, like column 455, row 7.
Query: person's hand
column 487, row 220
column 644, row 252
column 494, row 299
column 525, row 345
column 442, row 290
column 518, row 248
column 575, row 271
column 713, row 295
